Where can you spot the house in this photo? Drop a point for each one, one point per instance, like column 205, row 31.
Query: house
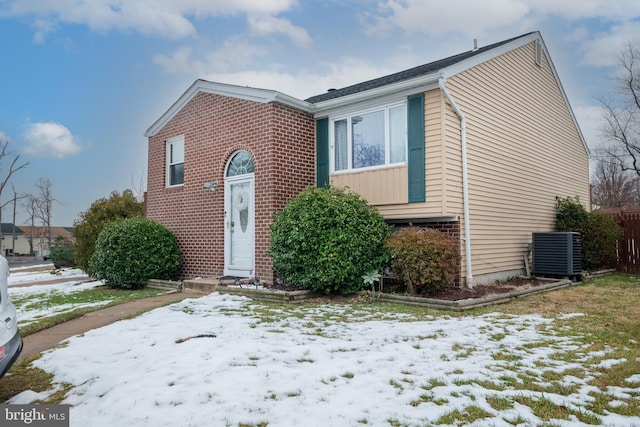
column 36, row 238
column 477, row 145
column 12, row 240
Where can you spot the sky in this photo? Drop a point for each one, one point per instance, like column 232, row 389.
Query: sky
column 82, row 80
column 324, row 365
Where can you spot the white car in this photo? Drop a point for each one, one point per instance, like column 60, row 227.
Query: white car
column 10, row 339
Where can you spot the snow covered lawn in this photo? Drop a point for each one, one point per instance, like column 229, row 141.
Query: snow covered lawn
column 329, row 365
column 41, row 299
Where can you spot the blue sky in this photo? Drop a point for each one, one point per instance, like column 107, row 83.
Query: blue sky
column 81, row 80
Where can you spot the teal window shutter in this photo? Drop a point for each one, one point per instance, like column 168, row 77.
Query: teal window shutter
column 322, row 152
column 415, row 142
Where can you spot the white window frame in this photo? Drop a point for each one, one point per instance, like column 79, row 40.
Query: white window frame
column 387, row 140
column 170, row 143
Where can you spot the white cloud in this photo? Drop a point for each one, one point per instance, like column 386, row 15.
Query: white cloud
column 460, row 16
column 228, row 64
column 472, row 17
column 49, row 139
column 234, row 52
column 302, row 84
column 595, row 30
column 603, row 48
column 42, row 27
column 591, row 121
column 267, row 24
column 579, row 9
column 167, row 18
column 179, row 61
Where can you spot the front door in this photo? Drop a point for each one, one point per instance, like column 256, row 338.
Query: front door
column 239, row 230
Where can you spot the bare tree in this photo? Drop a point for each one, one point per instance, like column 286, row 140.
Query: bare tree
column 140, row 188
column 622, row 118
column 612, row 187
column 14, row 166
column 16, row 197
column 44, row 206
column 31, row 206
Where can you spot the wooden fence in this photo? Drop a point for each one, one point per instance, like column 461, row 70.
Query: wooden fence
column 629, row 245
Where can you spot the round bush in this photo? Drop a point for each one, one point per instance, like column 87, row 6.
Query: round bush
column 129, row 252
column 325, row 239
column 425, row 260
column 62, row 252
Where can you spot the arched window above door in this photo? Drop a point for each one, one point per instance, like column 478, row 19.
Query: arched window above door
column 240, row 164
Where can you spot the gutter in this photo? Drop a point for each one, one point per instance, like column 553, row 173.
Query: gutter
column 465, row 181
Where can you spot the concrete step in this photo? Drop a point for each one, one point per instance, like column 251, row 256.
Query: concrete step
column 167, row 285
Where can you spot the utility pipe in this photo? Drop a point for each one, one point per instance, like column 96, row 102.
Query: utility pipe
column 465, row 181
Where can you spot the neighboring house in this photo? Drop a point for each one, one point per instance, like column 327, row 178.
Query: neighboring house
column 13, row 240
column 37, row 238
column 477, row 145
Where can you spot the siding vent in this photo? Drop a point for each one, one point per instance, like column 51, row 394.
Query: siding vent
column 538, row 53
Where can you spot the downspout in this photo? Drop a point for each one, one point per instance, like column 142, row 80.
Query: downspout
column 465, row 181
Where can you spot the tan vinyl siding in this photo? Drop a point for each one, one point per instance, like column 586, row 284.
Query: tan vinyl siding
column 523, row 151
column 435, row 157
column 453, row 161
column 379, row 186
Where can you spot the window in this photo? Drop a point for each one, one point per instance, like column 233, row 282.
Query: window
column 370, row 139
column 240, row 164
column 175, row 161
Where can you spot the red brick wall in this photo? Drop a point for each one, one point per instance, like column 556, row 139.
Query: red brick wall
column 281, row 142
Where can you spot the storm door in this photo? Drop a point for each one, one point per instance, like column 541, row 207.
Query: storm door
column 239, row 216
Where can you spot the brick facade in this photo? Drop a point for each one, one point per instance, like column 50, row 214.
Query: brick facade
column 281, row 142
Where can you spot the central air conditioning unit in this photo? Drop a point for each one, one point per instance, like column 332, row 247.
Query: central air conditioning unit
column 557, row 254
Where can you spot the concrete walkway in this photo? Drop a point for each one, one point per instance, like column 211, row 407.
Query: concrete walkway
column 51, row 337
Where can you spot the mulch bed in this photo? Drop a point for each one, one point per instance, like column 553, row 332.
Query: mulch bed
column 450, row 293
column 455, row 293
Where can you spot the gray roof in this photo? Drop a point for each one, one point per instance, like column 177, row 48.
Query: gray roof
column 406, row 74
column 7, row 228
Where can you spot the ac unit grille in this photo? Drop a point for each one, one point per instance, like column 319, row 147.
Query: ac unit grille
column 557, row 254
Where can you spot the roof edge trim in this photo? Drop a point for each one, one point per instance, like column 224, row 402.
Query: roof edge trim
column 240, row 92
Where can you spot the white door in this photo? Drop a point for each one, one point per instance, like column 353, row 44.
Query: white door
column 239, row 230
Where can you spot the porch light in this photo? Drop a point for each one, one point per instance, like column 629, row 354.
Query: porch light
column 210, row 185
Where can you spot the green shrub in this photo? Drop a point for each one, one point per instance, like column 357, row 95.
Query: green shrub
column 62, row 252
column 570, row 214
column 425, row 260
column 598, row 230
column 599, row 246
column 129, row 252
column 90, row 223
column 325, row 239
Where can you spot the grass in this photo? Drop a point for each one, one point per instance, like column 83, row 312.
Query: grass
column 101, row 294
column 466, row 416
column 607, row 329
column 23, row 377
